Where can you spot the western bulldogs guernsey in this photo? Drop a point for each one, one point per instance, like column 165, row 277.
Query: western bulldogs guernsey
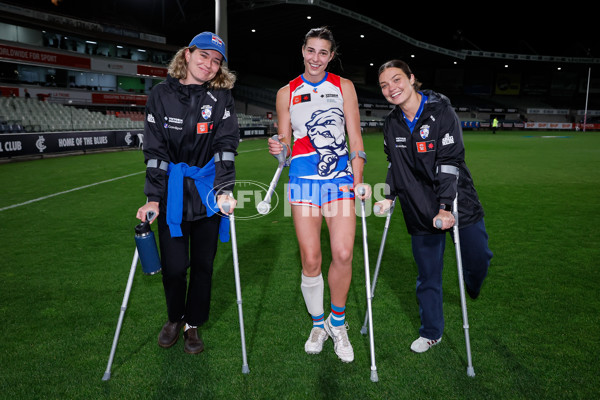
column 317, row 117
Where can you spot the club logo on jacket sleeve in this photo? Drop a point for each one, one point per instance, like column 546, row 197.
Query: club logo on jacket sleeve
column 447, row 139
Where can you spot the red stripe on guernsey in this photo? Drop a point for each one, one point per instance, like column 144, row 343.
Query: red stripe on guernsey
column 293, row 85
column 302, row 146
column 335, row 79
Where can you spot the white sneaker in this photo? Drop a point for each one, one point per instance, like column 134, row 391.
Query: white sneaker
column 422, row 344
column 341, row 343
column 315, row 341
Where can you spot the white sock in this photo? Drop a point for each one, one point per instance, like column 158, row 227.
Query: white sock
column 312, row 290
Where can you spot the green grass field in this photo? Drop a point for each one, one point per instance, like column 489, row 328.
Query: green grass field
column 66, row 258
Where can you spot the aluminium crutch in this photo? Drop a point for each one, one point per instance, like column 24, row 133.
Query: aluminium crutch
column 461, row 284
column 264, row 206
column 374, row 377
column 238, row 290
column 149, row 216
column 390, row 211
column 121, row 315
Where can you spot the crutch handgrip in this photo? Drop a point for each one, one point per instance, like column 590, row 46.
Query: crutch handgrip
column 282, row 155
column 226, row 207
column 438, row 223
column 150, row 215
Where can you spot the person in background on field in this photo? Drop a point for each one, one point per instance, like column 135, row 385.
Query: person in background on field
column 424, row 146
column 494, row 125
column 324, row 176
column 191, row 135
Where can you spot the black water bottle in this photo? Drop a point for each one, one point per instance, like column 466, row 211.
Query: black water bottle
column 146, row 246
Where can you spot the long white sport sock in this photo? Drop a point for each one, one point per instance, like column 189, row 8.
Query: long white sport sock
column 312, row 290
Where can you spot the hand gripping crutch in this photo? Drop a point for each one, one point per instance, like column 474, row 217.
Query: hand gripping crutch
column 449, row 169
column 149, row 217
column 265, row 206
column 390, row 211
column 238, row 290
column 374, row 377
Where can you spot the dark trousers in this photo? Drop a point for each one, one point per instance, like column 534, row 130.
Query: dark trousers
column 428, row 251
column 196, row 249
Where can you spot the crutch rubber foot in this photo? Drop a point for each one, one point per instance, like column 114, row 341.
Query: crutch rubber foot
column 374, row 377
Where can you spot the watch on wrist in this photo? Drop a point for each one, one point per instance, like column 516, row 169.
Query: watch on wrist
column 446, row 207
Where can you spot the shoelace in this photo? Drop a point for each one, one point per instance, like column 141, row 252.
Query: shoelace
column 339, row 335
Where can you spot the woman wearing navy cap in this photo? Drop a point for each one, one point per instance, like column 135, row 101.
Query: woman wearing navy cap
column 191, row 135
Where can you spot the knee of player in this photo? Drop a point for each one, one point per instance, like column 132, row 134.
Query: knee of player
column 311, row 263
column 342, row 254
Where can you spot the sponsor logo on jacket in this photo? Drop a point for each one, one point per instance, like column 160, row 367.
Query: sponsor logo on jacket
column 203, row 127
column 173, row 123
column 447, row 139
column 424, row 147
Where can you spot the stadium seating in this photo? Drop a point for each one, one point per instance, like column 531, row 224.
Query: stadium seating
column 28, row 115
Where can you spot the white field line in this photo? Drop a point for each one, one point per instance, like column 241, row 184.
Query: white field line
column 85, row 187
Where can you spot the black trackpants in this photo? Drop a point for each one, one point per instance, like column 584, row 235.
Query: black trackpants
column 196, row 249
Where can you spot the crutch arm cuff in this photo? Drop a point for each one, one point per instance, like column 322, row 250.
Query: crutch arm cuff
column 360, row 154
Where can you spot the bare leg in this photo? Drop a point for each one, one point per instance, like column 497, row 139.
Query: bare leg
column 307, row 221
column 341, row 221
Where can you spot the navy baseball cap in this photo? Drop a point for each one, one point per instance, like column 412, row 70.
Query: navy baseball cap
column 209, row 41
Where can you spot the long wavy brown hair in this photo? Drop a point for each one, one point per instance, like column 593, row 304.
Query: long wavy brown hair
column 224, row 79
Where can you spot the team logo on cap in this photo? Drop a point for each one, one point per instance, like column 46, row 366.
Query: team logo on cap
column 217, row 40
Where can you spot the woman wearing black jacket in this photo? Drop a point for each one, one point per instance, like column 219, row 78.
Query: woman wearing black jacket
column 424, row 145
column 191, row 135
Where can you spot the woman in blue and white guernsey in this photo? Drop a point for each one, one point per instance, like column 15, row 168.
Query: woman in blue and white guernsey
column 424, row 146
column 313, row 110
column 191, row 136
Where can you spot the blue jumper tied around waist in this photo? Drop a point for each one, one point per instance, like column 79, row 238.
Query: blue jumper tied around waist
column 204, row 179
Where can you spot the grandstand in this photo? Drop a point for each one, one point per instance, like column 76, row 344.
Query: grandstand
column 19, row 115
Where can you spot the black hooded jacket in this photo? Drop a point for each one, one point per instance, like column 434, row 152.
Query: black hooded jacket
column 414, row 160
column 189, row 124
